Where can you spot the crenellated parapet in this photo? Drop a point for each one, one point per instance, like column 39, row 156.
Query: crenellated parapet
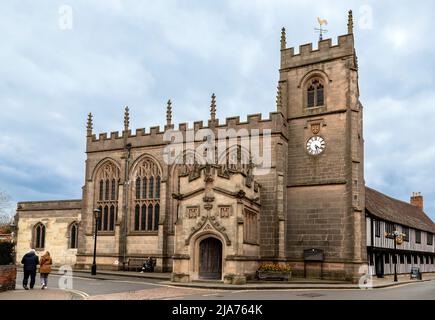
column 326, row 51
column 49, row 205
column 155, row 135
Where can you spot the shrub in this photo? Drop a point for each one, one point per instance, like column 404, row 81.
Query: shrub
column 6, row 253
column 274, row 267
column 5, row 228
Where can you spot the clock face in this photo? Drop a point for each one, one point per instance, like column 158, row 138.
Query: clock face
column 316, row 145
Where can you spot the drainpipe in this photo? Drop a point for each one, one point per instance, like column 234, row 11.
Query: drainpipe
column 125, row 206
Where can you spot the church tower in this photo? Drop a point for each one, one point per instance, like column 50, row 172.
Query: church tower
column 319, row 96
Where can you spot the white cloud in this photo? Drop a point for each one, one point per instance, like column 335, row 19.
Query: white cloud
column 142, row 53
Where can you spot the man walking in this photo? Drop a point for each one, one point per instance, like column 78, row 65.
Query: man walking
column 30, row 261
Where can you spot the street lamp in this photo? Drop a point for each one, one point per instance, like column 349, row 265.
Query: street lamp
column 97, row 216
column 397, row 238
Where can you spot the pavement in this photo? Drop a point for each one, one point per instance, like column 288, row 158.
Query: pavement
column 295, row 283
column 116, row 285
column 38, row 294
column 105, row 274
column 376, row 283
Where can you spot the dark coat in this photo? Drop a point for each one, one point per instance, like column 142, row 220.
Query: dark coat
column 30, row 261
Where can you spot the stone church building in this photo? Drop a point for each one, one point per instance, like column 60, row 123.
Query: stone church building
column 221, row 221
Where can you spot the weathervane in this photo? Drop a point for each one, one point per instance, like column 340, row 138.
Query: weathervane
column 320, row 30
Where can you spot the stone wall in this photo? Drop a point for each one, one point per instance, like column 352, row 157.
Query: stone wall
column 325, row 192
column 214, row 206
column 8, row 276
column 160, row 244
column 57, row 217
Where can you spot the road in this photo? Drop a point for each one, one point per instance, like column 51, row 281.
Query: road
column 90, row 287
column 116, row 287
column 415, row 291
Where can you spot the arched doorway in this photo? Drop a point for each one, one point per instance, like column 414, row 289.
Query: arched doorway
column 210, row 259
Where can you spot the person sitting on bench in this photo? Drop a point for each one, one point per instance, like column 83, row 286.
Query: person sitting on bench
column 148, row 265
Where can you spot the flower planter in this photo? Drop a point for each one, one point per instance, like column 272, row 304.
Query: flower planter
column 274, row 275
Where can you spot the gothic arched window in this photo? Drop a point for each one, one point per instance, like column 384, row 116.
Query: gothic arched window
column 114, row 186
column 236, row 159
column 112, row 218
column 39, row 236
column 107, row 181
column 138, row 188
column 150, row 217
column 151, row 194
column 73, row 235
column 157, row 194
column 137, row 217
column 156, row 216
column 315, row 94
column 147, row 196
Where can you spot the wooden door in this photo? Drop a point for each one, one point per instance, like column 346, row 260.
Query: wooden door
column 379, row 265
column 210, row 259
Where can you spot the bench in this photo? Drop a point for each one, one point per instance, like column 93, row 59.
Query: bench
column 135, row 264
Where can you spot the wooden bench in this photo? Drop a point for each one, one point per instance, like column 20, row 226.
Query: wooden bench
column 135, row 264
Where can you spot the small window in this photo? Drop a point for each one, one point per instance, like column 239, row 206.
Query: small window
column 405, row 231
column 156, row 216
column 138, row 188
column 417, row 236
column 112, row 218
column 136, row 217
column 415, row 259
column 150, row 218
column 158, row 187
column 143, row 218
column 319, row 96
column 107, row 190
column 144, row 189
column 39, row 236
column 310, row 97
column 73, row 235
column 113, row 193
column 377, row 228
column 387, row 258
column 99, row 226
column 250, row 226
column 315, row 94
column 389, row 227
column 429, row 239
column 408, row 259
column 151, row 193
column 402, row 259
column 106, row 218
column 101, row 190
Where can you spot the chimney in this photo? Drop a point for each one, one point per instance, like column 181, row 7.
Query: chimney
column 417, row 200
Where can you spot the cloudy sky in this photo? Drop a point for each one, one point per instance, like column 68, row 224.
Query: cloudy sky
column 60, row 60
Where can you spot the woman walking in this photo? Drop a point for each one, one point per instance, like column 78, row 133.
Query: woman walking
column 45, row 269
